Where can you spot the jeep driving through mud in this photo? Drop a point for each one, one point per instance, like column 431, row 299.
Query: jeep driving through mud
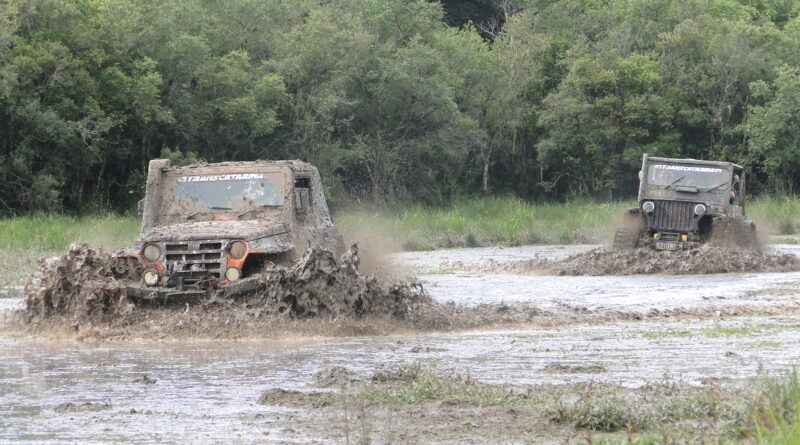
column 686, row 202
column 212, row 227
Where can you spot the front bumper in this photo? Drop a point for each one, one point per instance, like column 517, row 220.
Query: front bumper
column 166, row 294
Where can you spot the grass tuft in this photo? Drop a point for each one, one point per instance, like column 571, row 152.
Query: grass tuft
column 419, row 384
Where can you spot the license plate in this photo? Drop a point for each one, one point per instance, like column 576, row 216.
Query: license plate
column 667, row 246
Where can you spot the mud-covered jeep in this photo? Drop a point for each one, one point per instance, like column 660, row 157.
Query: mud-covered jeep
column 685, row 202
column 209, row 228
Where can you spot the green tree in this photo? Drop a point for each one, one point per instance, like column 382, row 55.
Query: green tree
column 773, row 129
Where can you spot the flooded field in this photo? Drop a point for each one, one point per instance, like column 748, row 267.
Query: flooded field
column 207, row 391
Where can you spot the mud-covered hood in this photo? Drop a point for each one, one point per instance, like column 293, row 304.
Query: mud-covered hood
column 247, row 230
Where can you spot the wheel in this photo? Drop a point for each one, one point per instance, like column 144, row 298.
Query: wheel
column 625, row 239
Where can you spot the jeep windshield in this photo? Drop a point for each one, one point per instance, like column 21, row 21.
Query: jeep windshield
column 704, row 178
column 227, row 193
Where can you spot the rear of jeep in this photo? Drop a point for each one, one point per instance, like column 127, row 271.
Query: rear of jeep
column 685, row 202
column 211, row 228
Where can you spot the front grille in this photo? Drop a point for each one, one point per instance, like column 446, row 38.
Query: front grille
column 190, row 263
column 673, row 215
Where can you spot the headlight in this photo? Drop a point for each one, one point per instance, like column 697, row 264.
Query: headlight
column 152, row 253
column 699, row 209
column 233, row 274
column 648, row 206
column 238, row 249
column 150, row 278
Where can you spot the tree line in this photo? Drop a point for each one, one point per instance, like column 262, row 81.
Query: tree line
column 394, row 99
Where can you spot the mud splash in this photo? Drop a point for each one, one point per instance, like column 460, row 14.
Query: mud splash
column 316, row 285
column 82, row 284
column 83, row 292
column 707, row 259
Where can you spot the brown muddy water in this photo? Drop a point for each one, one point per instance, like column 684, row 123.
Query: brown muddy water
column 204, row 391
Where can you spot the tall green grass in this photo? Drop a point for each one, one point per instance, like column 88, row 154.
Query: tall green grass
column 511, row 221
column 25, row 239
column 777, row 215
column 57, row 232
column 775, row 413
column 488, row 221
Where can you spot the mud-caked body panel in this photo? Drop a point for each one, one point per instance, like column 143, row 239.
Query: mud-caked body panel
column 683, row 202
column 213, row 226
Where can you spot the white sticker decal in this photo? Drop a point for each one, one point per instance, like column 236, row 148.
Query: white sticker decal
column 229, row 177
column 685, row 168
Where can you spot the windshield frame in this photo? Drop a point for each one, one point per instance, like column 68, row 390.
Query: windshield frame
column 170, row 210
column 676, row 175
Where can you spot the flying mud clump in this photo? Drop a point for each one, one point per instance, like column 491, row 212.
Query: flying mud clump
column 82, row 284
column 316, row 285
column 702, row 260
column 86, row 287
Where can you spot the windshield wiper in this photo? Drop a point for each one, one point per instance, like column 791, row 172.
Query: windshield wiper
column 716, row 186
column 674, row 182
column 221, row 208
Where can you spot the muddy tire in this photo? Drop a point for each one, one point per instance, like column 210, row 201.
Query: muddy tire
column 625, row 239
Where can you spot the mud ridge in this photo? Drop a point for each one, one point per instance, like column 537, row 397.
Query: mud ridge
column 707, row 259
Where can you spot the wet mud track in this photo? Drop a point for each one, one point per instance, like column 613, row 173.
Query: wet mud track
column 155, row 392
column 454, row 278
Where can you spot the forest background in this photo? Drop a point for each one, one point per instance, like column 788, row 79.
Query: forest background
column 395, row 100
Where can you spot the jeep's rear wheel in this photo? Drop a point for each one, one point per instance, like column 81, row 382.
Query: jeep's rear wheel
column 625, row 239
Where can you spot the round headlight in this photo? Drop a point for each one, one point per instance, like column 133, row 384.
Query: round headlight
column 150, row 278
column 699, row 209
column 238, row 249
column 152, row 253
column 233, row 274
column 648, row 206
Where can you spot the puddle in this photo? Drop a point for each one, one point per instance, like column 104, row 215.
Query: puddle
column 436, row 260
column 208, row 391
column 608, row 292
column 632, row 292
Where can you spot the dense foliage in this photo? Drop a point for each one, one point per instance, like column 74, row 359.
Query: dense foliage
column 394, row 99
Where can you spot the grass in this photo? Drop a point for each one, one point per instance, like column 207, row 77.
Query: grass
column 778, row 215
column 765, row 411
column 487, row 221
column 716, row 331
column 25, row 239
column 759, row 410
column 776, row 291
column 419, row 384
column 657, row 335
column 776, row 411
column 510, row 222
